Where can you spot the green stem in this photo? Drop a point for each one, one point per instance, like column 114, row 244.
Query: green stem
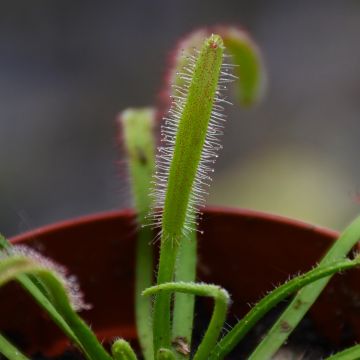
column 352, row 353
column 10, row 351
column 237, row 333
column 183, row 313
column 306, row 296
column 221, row 299
column 121, row 350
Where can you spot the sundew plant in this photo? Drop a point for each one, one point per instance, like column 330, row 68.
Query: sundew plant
column 169, row 186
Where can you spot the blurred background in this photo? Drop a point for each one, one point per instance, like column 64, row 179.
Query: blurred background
column 68, row 67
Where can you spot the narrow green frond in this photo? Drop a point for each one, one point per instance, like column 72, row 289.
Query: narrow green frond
column 243, row 52
column 352, row 353
column 179, row 176
column 63, row 294
column 250, row 69
column 137, row 126
column 10, row 351
column 308, row 295
column 237, row 333
column 138, row 137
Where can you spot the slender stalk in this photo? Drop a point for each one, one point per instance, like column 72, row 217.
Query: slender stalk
column 10, row 351
column 306, row 296
column 237, row 333
column 137, row 125
column 352, row 353
column 221, row 299
column 121, row 350
column 183, row 312
column 188, row 146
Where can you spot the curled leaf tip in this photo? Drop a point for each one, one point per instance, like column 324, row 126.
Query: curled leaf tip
column 69, row 282
column 243, row 52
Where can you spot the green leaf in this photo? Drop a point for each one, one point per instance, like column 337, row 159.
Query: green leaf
column 244, row 53
column 306, row 296
column 138, row 137
column 351, row 353
column 10, row 351
column 137, row 127
column 62, row 294
column 237, row 333
column 35, row 288
column 250, row 69
column 178, row 170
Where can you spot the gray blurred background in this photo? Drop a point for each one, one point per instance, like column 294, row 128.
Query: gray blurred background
column 68, row 67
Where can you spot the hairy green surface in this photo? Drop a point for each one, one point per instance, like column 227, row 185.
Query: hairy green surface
column 12, row 266
column 137, row 125
column 121, row 350
column 237, row 333
column 306, row 296
column 244, row 53
column 221, row 299
column 189, row 143
column 190, row 138
column 34, row 287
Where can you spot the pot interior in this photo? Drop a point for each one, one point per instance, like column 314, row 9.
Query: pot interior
column 244, row 251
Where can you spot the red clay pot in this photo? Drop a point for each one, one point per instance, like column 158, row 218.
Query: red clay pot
column 247, row 252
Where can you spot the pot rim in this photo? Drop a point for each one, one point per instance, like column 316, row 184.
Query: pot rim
column 211, row 210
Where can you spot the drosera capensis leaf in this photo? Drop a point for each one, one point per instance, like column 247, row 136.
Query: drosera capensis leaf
column 293, row 314
column 221, row 300
column 136, row 127
column 62, row 291
column 31, row 284
column 352, row 353
column 250, row 67
column 243, row 51
column 246, row 55
column 190, row 138
column 10, row 351
column 238, row 332
column 137, row 135
column 122, row 350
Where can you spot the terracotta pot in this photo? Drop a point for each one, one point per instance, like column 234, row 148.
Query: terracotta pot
column 244, row 251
